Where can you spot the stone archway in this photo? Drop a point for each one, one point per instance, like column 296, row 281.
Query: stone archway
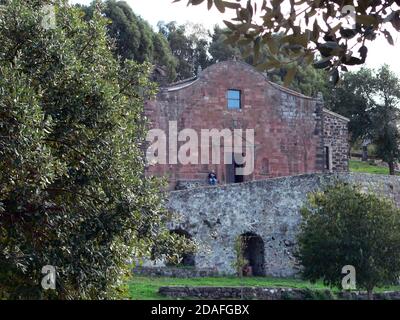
column 187, row 259
column 253, row 252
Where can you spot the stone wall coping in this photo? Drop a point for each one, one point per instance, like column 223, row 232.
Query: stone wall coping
column 180, row 85
column 288, row 178
column 290, row 91
column 337, row 115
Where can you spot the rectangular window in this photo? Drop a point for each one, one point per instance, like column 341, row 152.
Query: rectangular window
column 234, row 97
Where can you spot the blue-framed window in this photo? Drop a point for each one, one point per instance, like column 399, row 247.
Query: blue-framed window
column 234, row 99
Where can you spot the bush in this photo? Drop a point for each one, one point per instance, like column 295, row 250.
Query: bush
column 73, row 193
column 344, row 226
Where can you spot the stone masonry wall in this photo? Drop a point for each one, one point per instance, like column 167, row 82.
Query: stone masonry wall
column 287, row 124
column 174, row 272
column 336, row 138
column 216, row 216
column 261, row 293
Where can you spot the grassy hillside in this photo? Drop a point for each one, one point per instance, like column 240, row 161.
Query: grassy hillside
column 361, row 166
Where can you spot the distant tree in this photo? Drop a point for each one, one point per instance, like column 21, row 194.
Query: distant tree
column 190, row 49
column 201, row 58
column 199, row 36
column 343, row 226
column 350, row 99
column 181, row 48
column 163, row 57
column 134, row 37
column 385, row 116
column 371, row 100
column 73, row 193
column 219, row 50
column 307, row 80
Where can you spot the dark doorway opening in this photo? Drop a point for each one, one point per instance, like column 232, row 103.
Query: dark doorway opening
column 253, row 252
column 232, row 175
column 187, row 259
column 327, row 158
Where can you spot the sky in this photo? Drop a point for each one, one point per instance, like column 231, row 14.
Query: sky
column 164, row 10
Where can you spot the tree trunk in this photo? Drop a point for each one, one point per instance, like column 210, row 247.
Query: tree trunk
column 370, row 294
column 391, row 168
column 364, row 156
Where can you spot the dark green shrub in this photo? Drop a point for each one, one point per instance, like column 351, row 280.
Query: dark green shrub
column 344, row 226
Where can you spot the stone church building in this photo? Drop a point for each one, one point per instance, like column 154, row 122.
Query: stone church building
column 296, row 146
column 293, row 133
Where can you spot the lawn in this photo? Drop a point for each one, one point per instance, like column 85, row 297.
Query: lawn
column 146, row 288
column 361, row 166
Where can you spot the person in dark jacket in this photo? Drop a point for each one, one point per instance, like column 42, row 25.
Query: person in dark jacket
column 212, row 178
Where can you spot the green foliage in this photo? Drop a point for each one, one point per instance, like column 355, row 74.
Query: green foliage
column 179, row 50
column 219, row 50
column 307, row 36
column 189, row 47
column 240, row 262
column 72, row 188
column 370, row 98
column 306, row 80
column 344, row 226
column 384, row 115
column 135, row 39
column 350, row 98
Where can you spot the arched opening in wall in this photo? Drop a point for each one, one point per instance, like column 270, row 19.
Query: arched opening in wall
column 253, row 253
column 187, row 259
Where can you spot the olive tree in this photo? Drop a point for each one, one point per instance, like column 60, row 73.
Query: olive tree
column 342, row 226
column 73, row 193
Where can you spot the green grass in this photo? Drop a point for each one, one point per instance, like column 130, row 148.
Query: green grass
column 361, row 166
column 146, row 288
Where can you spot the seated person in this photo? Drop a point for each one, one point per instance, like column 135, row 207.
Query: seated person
column 212, row 178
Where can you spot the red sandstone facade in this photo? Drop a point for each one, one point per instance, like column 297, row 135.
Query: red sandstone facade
column 294, row 134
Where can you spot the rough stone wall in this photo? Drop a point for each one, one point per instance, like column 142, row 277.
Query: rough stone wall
column 287, row 125
column 216, row 216
column 262, row 293
column 190, row 184
column 336, row 138
column 174, row 272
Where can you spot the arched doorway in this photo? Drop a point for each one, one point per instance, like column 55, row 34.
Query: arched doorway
column 253, row 252
column 187, row 259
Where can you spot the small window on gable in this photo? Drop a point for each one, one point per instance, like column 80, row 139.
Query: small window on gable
column 234, row 97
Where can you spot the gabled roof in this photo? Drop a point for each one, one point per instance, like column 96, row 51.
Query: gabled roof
column 190, row 81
